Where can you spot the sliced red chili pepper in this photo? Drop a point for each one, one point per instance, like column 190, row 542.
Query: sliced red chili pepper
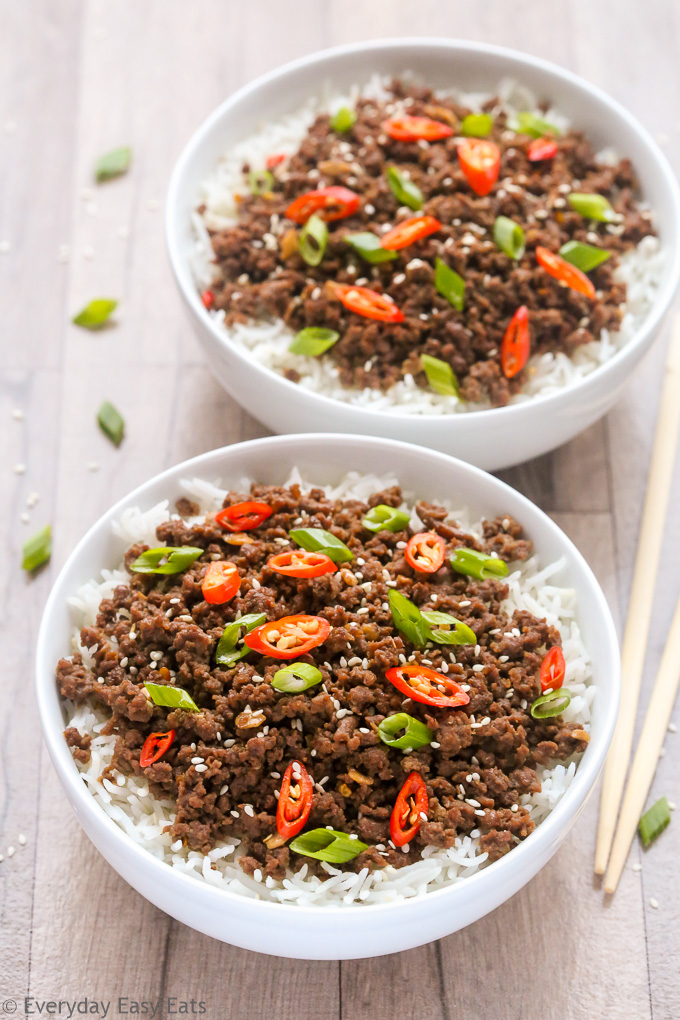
column 411, row 804
column 295, row 800
column 299, row 563
column 563, row 271
column 412, row 129
column 155, row 746
column 333, row 203
column 480, row 161
column 220, row 583
column 413, row 229
column 243, row 516
column 368, row 303
column 516, row 343
column 553, row 669
column 274, row 160
column 208, row 298
column 425, row 552
column 289, row 637
column 427, row 686
column 542, row 148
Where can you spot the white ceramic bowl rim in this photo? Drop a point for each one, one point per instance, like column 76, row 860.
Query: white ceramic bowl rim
column 545, row 833
column 502, row 415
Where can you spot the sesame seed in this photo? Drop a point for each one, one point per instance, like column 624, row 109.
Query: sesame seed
column 257, row 875
column 224, row 789
column 435, row 743
column 93, row 465
column 248, row 809
column 201, row 768
column 19, row 469
column 10, row 851
column 514, row 807
column 636, row 866
column 197, row 761
column 672, row 728
column 654, row 903
column 479, row 812
column 22, row 839
column 234, row 814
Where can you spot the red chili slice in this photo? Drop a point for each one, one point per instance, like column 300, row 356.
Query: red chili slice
column 274, row 160
column 563, row 271
column 220, row 583
column 298, row 563
column 542, row 148
column 208, row 298
column 425, row 552
column 412, row 129
column 368, row 303
column 425, row 685
column 516, row 343
column 155, row 746
column 334, row 203
column 412, row 802
column 243, row 516
column 480, row 161
column 295, row 800
column 289, row 637
column 413, row 229
column 553, row 669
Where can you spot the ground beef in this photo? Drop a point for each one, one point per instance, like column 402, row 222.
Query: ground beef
column 257, row 276
column 225, row 765
column 80, row 744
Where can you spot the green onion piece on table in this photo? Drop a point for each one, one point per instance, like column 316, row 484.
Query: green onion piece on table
column 368, row 246
column 449, row 630
column 228, row 653
column 440, row 376
column 296, row 677
column 415, row 733
column 403, row 189
column 532, row 124
column 476, row 125
column 585, row 257
column 313, row 240
column 111, row 422
column 509, row 237
column 318, row 540
column 478, row 564
column 385, row 518
column 328, row 845
column 166, row 559
column 449, row 284
column 171, row 697
column 37, row 549
column 260, row 182
column 113, row 164
column 592, row 207
column 553, row 703
column 654, row 821
column 313, row 341
column 344, row 119
column 96, row 314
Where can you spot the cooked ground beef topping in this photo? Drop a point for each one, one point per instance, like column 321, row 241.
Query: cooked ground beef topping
column 260, row 274
column 225, row 766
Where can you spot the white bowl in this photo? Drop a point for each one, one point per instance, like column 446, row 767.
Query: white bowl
column 331, row 932
column 494, row 438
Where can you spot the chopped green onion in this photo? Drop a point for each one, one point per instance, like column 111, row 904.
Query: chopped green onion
column 96, row 314
column 385, row 518
column 654, row 821
column 550, row 704
column 318, row 540
column 509, row 237
column 403, row 189
column 584, row 256
column 478, row 564
column 461, row 634
column 328, row 845
column 167, row 559
column 449, row 284
column 171, row 697
column 113, row 164
column 409, row 619
column 531, row 124
column 38, row 549
column 260, row 182
column 313, row 341
column 313, row 240
column 296, row 677
column 111, row 423
column 227, row 652
column 368, row 246
column 592, row 207
column 344, row 119
column 476, row 125
column 440, row 375
column 416, row 734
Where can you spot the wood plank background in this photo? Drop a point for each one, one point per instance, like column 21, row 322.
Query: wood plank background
column 78, row 77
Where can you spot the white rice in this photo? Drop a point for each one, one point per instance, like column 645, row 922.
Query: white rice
column 268, row 342
column 144, row 817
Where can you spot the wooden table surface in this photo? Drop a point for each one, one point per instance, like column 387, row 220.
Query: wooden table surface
column 77, row 78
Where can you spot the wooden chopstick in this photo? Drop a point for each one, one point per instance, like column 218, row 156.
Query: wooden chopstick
column 642, row 593
column 647, row 754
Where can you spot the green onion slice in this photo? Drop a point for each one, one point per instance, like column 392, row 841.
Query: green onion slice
column 509, row 237
column 318, row 540
column 167, row 559
column 96, row 314
column 532, row 124
column 385, row 518
column 449, row 284
column 328, row 845
column 403, row 189
column 113, row 164
column 313, row 341
column 478, row 564
column 313, row 240
column 260, row 182
column 111, row 422
column 415, row 733
column 227, row 652
column 38, row 549
column 450, row 631
column 592, row 207
column 368, row 246
column 550, row 704
column 171, row 697
column 409, row 619
column 654, row 821
column 476, row 125
column 344, row 119
column 584, row 256
column 440, row 375
column 296, row 677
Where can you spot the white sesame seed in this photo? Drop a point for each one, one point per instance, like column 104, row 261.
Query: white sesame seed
column 10, row 851
column 672, row 728
column 201, row 768
column 25, row 518
column 19, row 469
column 257, row 875
column 654, row 903
column 234, row 814
column 175, row 602
column 480, row 812
column 93, row 465
column 435, row 743
column 255, row 583
column 17, row 414
column 22, row 839
column 197, row 761
column 636, row 866
column 248, row 809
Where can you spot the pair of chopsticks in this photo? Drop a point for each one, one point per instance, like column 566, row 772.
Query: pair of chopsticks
column 634, row 647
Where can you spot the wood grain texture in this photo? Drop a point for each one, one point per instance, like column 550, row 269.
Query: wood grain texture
column 77, row 79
